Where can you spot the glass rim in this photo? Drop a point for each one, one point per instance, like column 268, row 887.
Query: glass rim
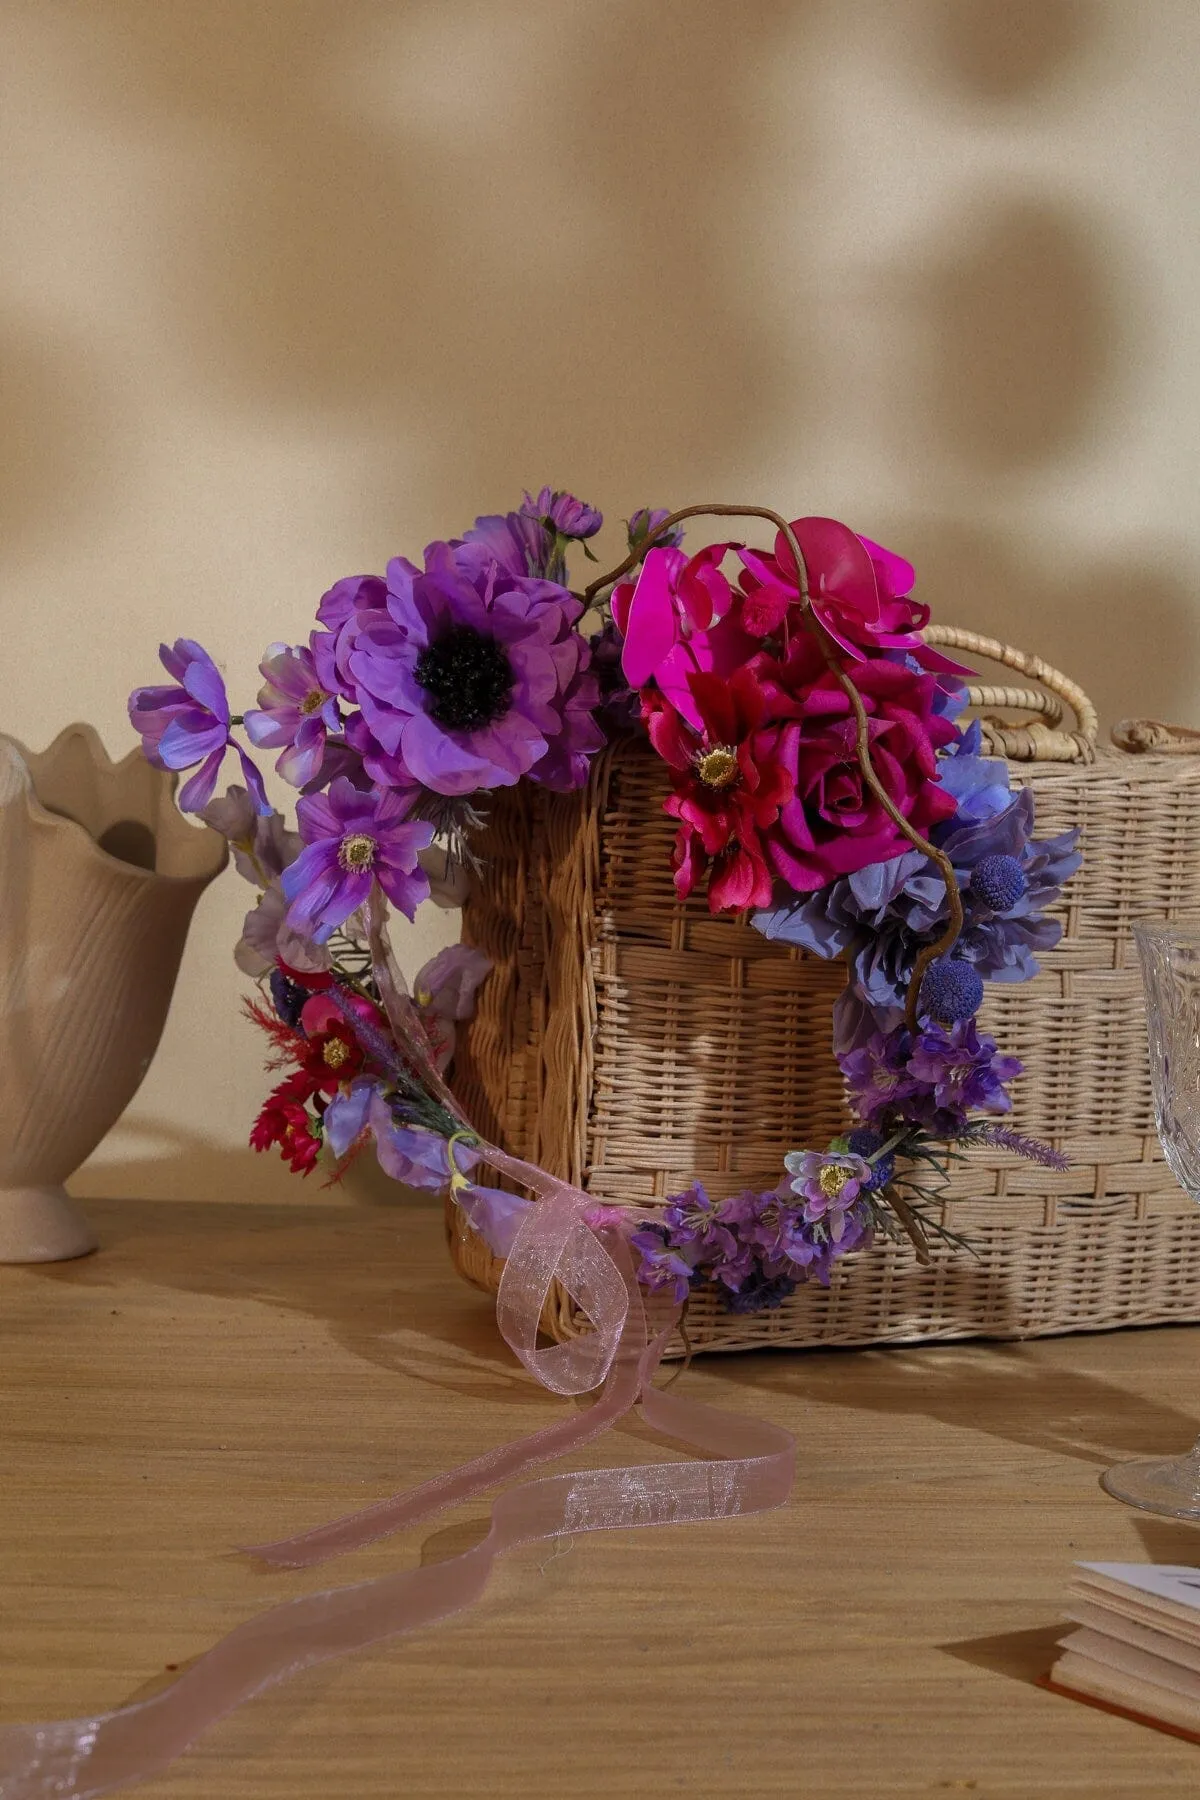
column 1167, row 931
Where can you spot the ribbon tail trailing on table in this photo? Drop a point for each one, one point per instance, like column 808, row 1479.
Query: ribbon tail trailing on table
column 747, row 1467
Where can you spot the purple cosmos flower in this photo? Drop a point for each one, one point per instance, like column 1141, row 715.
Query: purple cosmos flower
column 562, row 513
column 187, row 722
column 351, row 595
column 829, row 1182
column 470, row 678
column 620, row 706
column 353, row 840
column 643, row 522
column 296, row 715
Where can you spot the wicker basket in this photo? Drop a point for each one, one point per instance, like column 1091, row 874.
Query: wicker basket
column 631, row 1044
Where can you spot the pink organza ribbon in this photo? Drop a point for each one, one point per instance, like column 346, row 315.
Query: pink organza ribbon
column 747, row 1467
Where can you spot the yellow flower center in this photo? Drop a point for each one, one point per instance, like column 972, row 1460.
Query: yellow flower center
column 718, row 767
column 356, row 853
column 313, row 702
column 832, row 1180
column 336, row 1052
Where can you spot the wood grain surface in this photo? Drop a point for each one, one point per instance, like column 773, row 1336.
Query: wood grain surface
column 222, row 1374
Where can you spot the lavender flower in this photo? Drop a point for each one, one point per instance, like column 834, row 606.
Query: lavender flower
column 353, row 840
column 296, row 715
column 762, row 1293
column 188, row 722
column 474, row 678
column 934, row 1081
column 1031, row 1148
column 662, row 1268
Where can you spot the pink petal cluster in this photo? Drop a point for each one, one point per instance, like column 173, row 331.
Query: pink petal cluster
column 767, row 783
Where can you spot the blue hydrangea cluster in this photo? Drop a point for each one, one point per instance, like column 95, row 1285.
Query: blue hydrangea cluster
column 882, row 917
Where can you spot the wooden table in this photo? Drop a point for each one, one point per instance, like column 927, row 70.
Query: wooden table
column 221, row 1374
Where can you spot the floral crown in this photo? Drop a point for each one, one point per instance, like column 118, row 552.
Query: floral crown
column 822, row 785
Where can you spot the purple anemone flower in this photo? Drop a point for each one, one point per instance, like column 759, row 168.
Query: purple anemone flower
column 187, row 722
column 829, row 1182
column 561, row 512
column 353, row 840
column 472, row 679
column 295, row 715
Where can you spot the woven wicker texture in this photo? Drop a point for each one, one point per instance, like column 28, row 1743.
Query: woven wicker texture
column 631, row 1044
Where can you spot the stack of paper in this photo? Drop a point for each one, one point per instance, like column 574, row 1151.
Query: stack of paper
column 1136, row 1646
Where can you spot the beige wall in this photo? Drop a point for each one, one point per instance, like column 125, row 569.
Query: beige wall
column 289, row 285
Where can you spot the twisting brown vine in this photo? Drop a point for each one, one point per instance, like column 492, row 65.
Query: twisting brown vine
column 828, row 650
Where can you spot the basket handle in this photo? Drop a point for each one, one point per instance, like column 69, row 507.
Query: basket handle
column 1042, row 739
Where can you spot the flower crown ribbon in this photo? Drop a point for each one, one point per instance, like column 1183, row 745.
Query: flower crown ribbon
column 746, row 1466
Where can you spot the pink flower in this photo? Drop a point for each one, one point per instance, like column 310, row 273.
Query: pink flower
column 861, row 593
column 834, row 824
column 681, row 618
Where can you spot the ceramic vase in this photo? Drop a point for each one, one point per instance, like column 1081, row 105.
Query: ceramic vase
column 99, row 876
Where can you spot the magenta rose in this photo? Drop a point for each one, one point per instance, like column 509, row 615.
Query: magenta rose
column 835, row 824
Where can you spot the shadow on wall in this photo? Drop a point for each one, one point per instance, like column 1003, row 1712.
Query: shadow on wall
column 506, row 240
column 1019, row 333
column 499, row 235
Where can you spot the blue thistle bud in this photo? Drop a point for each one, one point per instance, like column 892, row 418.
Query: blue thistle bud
column 951, row 990
column 865, row 1143
column 999, row 881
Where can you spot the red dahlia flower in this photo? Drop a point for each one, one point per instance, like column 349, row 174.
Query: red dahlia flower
column 285, row 1120
column 729, row 786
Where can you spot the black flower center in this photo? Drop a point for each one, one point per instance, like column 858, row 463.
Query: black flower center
column 468, row 678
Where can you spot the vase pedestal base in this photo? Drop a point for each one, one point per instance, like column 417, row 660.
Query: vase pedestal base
column 41, row 1224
